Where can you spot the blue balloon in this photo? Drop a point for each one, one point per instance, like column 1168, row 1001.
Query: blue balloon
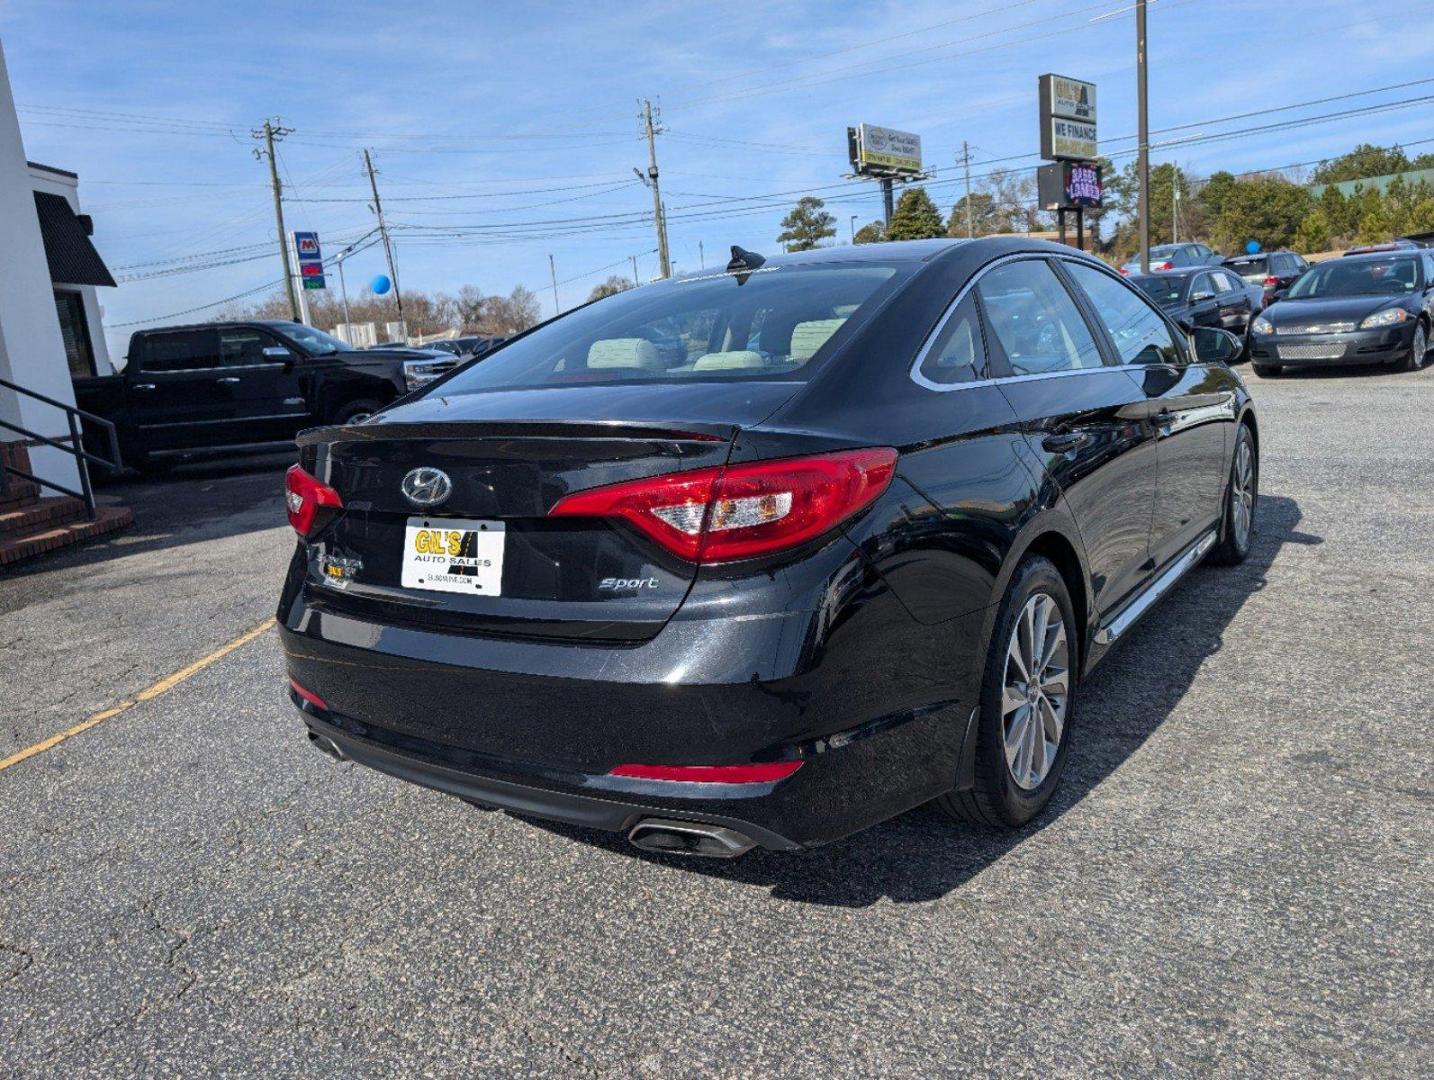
column 1252, row 248
column 380, row 284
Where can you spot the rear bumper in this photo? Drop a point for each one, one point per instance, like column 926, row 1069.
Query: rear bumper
column 529, row 799
column 875, row 704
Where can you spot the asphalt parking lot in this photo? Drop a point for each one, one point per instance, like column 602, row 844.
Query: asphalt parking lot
column 1235, row 879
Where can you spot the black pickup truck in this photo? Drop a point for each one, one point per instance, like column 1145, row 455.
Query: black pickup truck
column 243, row 385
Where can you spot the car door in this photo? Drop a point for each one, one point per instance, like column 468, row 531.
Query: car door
column 1190, row 405
column 174, row 398
column 1233, row 300
column 260, row 380
column 1204, row 301
column 1083, row 418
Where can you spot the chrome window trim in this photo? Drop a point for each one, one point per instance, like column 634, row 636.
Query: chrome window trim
column 924, row 353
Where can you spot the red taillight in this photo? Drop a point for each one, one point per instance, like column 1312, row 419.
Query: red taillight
column 764, row 773
column 1165, row 266
column 742, row 511
column 308, row 695
column 1124, row 272
column 311, row 503
column 1271, row 282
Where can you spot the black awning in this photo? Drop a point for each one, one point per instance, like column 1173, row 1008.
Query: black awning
column 73, row 259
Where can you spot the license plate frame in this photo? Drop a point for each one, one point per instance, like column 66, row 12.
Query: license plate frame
column 453, row 555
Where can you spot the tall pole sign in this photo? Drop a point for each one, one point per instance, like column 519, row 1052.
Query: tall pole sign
column 309, row 258
column 1068, row 140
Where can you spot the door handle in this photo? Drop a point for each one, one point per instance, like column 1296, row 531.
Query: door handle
column 1065, row 442
column 143, row 386
column 228, row 379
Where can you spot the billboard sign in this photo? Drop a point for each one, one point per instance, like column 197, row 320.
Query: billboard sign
column 879, row 151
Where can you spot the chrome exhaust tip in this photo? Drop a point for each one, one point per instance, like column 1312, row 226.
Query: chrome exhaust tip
column 327, row 745
column 689, row 838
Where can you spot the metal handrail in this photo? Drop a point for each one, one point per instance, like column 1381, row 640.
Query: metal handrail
column 74, row 446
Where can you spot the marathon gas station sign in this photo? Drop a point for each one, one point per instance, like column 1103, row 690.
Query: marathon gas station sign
column 310, row 259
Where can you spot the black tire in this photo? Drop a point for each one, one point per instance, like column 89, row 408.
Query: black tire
column 1232, row 548
column 997, row 799
column 1418, row 350
column 353, row 411
column 1266, row 371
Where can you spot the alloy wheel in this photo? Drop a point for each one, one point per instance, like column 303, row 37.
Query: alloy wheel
column 1037, row 690
column 1420, row 347
column 1242, row 491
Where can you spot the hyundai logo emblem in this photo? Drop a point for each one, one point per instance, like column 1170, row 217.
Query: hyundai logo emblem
column 426, row 486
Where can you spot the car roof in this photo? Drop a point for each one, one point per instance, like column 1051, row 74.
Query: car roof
column 901, row 251
column 1180, row 272
column 1382, row 255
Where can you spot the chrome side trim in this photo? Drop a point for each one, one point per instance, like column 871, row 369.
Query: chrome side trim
column 1155, row 590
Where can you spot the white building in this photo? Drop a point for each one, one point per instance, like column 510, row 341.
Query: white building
column 50, row 316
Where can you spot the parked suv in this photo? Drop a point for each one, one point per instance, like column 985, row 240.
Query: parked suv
column 1274, row 271
column 243, row 385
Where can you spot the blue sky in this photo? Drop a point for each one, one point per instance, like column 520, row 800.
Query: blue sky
column 528, row 114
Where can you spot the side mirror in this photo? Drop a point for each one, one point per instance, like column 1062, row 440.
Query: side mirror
column 1213, row 345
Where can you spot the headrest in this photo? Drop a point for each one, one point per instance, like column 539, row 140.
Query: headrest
column 808, row 337
column 624, row 353
column 729, row 361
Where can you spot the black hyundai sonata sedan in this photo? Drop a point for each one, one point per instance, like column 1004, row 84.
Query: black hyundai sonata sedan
column 767, row 555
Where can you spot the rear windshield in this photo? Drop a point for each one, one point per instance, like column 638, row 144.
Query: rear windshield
column 770, row 323
column 1163, row 290
column 1395, row 276
column 1250, row 268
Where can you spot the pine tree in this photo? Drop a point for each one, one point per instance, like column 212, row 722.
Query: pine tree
column 916, row 217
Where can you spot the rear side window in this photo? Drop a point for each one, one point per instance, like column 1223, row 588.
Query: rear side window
column 1139, row 333
column 958, row 355
column 1035, row 321
column 180, row 350
column 775, row 322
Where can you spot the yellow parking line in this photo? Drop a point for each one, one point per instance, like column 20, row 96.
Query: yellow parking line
column 169, row 682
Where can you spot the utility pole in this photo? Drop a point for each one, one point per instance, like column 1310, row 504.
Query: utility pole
column 635, row 281
column 553, row 269
column 701, row 257
column 1143, row 136
column 272, row 132
column 886, row 201
column 652, row 130
column 344, row 290
column 383, row 232
column 1175, row 206
column 851, row 224
column 966, row 161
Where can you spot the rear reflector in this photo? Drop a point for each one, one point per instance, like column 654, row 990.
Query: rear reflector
column 309, row 696
column 742, row 511
column 312, row 503
column 763, row 773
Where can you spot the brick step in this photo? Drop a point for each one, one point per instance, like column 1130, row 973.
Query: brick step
column 15, row 546
column 44, row 512
column 21, row 493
